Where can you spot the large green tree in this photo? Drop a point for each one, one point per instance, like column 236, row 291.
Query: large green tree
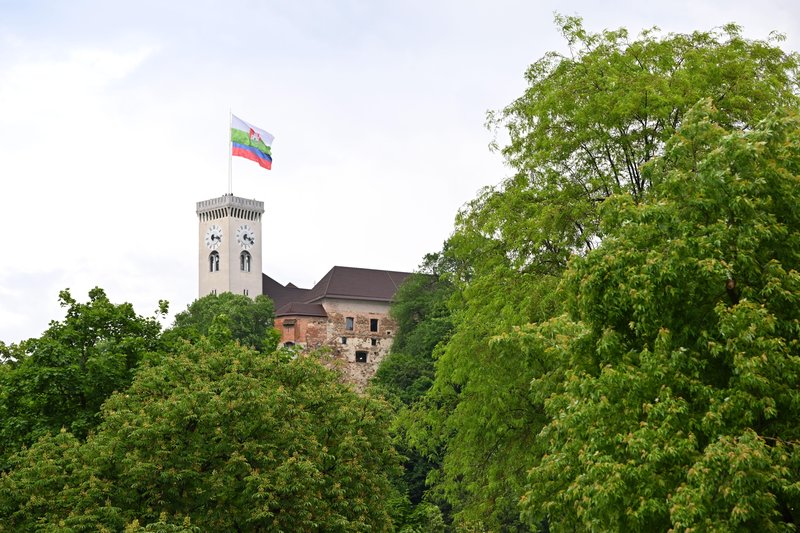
column 589, row 120
column 61, row 378
column 228, row 316
column 673, row 402
column 221, row 439
column 579, row 135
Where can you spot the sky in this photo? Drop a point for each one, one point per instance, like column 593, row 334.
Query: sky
column 114, row 123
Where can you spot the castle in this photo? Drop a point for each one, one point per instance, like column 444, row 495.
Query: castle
column 346, row 311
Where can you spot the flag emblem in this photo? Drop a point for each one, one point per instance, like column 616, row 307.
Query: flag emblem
column 251, row 142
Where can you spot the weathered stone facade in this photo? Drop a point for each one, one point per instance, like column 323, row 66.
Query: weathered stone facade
column 347, row 313
column 358, row 335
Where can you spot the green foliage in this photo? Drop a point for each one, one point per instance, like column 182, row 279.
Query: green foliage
column 676, row 405
column 423, row 321
column 580, row 136
column 62, row 378
column 589, row 121
column 218, row 439
column 420, row 308
column 226, row 317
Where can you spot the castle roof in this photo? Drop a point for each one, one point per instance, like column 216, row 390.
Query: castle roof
column 281, row 295
column 357, row 284
column 340, row 282
column 301, row 309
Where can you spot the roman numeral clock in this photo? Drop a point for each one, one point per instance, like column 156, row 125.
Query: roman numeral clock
column 229, row 244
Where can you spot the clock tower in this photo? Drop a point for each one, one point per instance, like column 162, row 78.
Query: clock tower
column 229, row 246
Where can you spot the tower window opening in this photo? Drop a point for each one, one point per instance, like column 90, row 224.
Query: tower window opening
column 213, row 261
column 361, row 357
column 244, row 261
column 373, row 324
column 348, row 323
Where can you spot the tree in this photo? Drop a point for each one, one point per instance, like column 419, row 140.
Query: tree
column 673, row 404
column 221, row 439
column 229, row 316
column 579, row 135
column 423, row 321
column 62, row 378
column 588, row 122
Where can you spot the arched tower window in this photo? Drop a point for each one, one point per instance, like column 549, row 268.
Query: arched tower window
column 244, row 261
column 213, row 261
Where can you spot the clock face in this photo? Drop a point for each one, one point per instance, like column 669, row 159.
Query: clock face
column 213, row 237
column 245, row 236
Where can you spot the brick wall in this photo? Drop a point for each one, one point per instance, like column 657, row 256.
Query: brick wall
column 309, row 332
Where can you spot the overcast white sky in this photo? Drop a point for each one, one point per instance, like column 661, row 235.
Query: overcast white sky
column 114, row 117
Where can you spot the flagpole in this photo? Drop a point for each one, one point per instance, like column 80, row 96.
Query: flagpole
column 230, row 153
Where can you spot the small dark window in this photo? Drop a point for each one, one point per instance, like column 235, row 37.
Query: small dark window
column 361, row 357
column 246, row 292
column 374, row 342
column 244, row 261
column 373, row 324
column 288, row 343
column 213, row 261
column 348, row 323
column 344, row 340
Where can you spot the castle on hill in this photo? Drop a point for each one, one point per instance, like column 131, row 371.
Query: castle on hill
column 347, row 310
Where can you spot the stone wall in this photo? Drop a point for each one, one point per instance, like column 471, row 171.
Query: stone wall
column 357, row 351
column 360, row 340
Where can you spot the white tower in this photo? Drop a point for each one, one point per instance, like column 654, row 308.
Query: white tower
column 229, row 245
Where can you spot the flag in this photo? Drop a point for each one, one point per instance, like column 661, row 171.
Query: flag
column 251, row 143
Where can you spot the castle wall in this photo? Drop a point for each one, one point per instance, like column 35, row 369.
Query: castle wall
column 362, row 350
column 306, row 331
column 360, row 340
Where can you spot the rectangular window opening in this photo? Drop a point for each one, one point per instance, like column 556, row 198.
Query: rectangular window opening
column 361, row 357
column 349, row 323
column 374, row 342
column 373, row 324
column 344, row 340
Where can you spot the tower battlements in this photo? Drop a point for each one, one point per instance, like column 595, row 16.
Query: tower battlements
column 229, row 205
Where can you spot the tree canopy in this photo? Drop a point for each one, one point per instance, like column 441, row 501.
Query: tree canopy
column 674, row 403
column 221, row 439
column 62, row 378
column 580, row 135
column 227, row 316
